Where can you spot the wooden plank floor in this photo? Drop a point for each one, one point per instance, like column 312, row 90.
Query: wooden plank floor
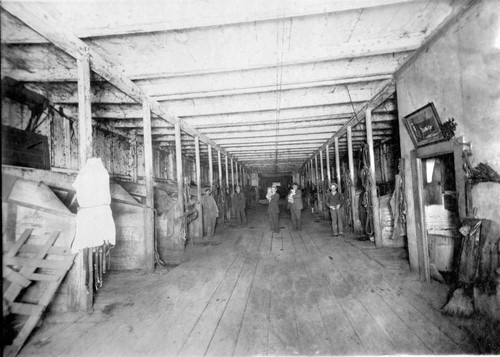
column 259, row 293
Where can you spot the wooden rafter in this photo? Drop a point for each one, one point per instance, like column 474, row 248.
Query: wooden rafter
column 256, row 14
column 38, row 19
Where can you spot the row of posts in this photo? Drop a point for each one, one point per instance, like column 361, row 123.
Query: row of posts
column 312, row 167
column 85, row 152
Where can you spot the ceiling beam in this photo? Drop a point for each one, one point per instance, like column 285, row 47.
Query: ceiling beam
column 342, row 94
column 206, row 17
column 67, row 92
column 37, row 18
column 132, row 111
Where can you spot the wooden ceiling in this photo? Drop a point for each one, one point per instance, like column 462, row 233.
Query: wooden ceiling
column 269, row 82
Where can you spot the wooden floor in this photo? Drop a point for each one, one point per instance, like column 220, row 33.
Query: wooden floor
column 258, row 293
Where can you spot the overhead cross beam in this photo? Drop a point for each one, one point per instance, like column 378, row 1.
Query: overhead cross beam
column 257, row 12
column 36, row 17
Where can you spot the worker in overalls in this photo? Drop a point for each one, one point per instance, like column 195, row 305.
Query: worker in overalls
column 210, row 213
column 239, row 205
column 334, row 202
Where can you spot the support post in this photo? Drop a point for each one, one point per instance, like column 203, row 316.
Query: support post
column 220, row 169
column 316, row 170
column 84, row 152
column 328, row 174
column 195, row 228
column 227, row 171
column 237, row 174
column 198, row 167
column 321, row 165
column 178, row 161
column 337, row 164
column 373, row 186
column 148, row 181
column 133, row 155
column 351, row 173
column 84, row 110
column 312, row 173
column 232, row 174
column 210, row 168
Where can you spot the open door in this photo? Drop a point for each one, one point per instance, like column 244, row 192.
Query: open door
column 452, row 195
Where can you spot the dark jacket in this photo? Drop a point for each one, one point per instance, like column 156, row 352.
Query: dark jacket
column 209, row 206
column 273, row 204
column 297, row 200
column 239, row 201
column 333, row 200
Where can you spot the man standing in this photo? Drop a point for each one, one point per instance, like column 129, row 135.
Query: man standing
column 274, row 210
column 295, row 204
column 210, row 213
column 239, row 205
column 334, row 201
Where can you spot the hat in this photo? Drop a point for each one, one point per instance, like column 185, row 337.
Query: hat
column 295, row 184
column 334, row 184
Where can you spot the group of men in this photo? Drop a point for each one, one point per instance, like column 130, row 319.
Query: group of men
column 211, row 211
column 294, row 204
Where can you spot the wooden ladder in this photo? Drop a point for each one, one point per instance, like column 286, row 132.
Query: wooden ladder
column 21, row 271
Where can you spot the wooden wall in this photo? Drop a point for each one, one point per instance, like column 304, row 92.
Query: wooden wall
column 459, row 74
column 122, row 157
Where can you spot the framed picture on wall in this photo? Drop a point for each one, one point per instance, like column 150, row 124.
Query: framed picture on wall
column 424, row 126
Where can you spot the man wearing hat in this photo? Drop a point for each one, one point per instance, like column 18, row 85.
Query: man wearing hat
column 334, row 201
column 210, row 213
column 274, row 209
column 295, row 205
column 239, row 204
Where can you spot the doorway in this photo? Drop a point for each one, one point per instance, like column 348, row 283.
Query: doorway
column 440, row 202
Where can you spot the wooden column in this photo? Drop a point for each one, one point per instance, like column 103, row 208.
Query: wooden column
column 237, row 174
column 210, row 168
column 375, row 203
column 198, row 167
column 232, row 174
column 227, row 171
column 337, row 164
column 133, row 155
column 321, row 163
column 148, row 181
column 84, row 110
column 310, row 172
column 328, row 174
column 178, row 161
column 316, row 170
column 85, row 295
column 351, row 172
column 220, row 168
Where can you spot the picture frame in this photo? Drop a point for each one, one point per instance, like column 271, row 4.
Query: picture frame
column 424, row 126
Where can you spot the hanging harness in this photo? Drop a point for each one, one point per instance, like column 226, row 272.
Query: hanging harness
column 367, row 183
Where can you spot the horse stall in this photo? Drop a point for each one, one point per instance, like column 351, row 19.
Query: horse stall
column 173, row 227
column 37, row 231
column 47, row 203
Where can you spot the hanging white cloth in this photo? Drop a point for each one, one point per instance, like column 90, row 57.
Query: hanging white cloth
column 94, row 220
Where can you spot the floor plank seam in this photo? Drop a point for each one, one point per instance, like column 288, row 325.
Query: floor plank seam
column 225, row 306
column 208, row 302
column 246, row 304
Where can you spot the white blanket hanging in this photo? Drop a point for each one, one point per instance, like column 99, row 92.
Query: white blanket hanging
column 94, row 220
